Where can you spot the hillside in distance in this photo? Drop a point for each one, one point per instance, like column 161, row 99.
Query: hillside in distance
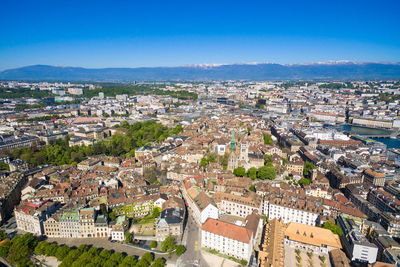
column 312, row 71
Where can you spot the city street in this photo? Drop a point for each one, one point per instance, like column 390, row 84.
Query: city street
column 192, row 256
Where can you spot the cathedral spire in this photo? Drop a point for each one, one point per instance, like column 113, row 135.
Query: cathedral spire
column 232, row 146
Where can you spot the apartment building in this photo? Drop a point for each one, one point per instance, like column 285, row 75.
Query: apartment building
column 231, row 239
column 86, row 221
column 29, row 216
column 355, row 244
column 70, row 223
column 384, row 201
column 375, row 178
column 117, row 229
column 170, row 223
column 299, row 209
column 101, row 226
column 241, row 206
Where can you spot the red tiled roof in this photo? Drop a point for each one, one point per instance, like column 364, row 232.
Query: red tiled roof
column 227, row 230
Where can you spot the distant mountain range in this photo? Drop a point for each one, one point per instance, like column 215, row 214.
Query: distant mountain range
column 337, row 70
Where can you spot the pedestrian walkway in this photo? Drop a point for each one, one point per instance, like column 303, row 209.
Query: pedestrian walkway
column 214, row 260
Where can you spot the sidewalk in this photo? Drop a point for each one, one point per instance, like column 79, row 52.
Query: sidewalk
column 216, row 261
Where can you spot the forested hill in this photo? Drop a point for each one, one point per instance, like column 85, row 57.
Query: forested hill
column 313, row 71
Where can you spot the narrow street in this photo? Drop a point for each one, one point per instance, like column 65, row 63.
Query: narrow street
column 192, row 256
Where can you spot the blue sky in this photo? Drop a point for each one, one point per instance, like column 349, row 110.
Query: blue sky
column 171, row 32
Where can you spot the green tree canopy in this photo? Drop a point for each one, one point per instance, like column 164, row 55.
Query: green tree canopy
column 252, row 188
column 252, row 173
column 112, row 216
column 308, row 166
column 128, row 237
column 148, row 257
column 153, row 244
column 239, row 171
column 129, row 261
column 62, row 252
column 268, row 140
column 333, row 227
column 168, row 245
column 266, row 172
column 304, row 181
column 180, row 250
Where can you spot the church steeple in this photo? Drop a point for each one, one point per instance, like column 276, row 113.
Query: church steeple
column 232, row 146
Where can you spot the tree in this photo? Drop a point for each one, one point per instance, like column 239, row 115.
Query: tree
column 267, row 159
column 83, row 248
column 129, row 261
column 266, row 172
column 153, row 244
column 304, row 181
column 148, row 257
column 180, row 250
column 117, row 257
column 62, row 252
column 51, row 250
column 3, row 235
column 322, row 258
column 4, row 249
column 168, row 245
column 98, row 261
column 19, row 254
column 252, row 188
column 268, row 140
column 239, row 171
column 105, row 254
column 308, row 166
column 252, row 173
column 94, row 251
column 110, row 263
column 156, row 212
column 112, row 216
column 333, row 227
column 41, row 247
column 203, row 162
column 159, row 262
column 142, row 263
column 128, row 237
column 72, row 256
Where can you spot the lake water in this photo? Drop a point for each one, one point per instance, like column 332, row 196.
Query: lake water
column 389, row 142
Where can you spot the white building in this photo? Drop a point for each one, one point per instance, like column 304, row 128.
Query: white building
column 220, row 150
column 230, row 239
column 290, row 212
column 241, row 206
column 70, row 224
column 29, row 216
column 203, row 208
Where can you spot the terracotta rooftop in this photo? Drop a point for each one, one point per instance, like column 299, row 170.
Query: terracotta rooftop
column 227, row 230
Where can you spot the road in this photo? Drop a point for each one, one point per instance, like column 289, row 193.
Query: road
column 192, row 256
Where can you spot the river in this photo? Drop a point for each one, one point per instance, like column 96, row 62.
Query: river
column 389, row 142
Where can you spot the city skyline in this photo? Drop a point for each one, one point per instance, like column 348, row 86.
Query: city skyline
column 98, row 35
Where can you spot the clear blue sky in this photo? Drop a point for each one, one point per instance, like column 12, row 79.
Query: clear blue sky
column 169, row 32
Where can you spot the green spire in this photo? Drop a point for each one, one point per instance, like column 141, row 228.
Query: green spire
column 232, row 146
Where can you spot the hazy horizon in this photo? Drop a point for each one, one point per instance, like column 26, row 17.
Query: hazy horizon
column 97, row 34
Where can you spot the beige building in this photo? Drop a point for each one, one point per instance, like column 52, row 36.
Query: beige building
column 86, row 220
column 272, row 252
column 241, row 206
column 311, row 238
column 52, row 227
column 375, row 178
